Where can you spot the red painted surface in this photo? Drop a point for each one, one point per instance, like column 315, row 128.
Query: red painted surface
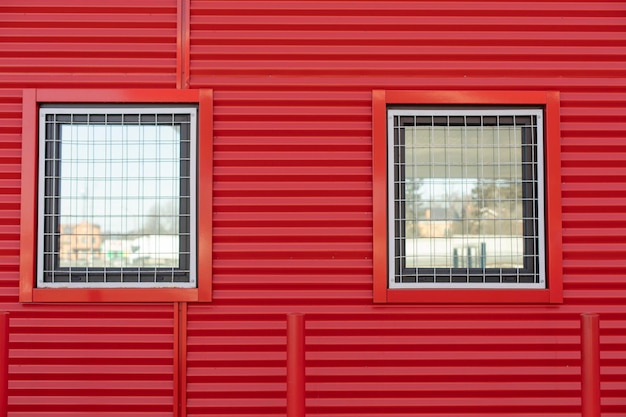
column 292, row 208
column 182, row 44
column 590, row 352
column 296, row 366
column 180, row 359
column 28, row 207
column 550, row 102
column 71, row 44
column 28, row 239
column 4, row 363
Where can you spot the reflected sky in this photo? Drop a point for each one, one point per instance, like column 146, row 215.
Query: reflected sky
column 448, row 160
column 118, row 176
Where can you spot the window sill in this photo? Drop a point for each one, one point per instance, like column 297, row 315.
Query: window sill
column 468, row 296
column 126, row 295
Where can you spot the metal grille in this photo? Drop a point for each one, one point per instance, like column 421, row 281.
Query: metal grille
column 466, row 193
column 116, row 200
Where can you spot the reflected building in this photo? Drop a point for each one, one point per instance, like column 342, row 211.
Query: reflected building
column 80, row 242
column 438, row 222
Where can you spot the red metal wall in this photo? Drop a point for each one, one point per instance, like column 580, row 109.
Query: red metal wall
column 292, row 208
column 293, row 83
column 80, row 360
column 71, row 44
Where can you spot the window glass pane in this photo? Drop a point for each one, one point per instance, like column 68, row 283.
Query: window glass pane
column 117, row 203
column 463, row 196
column 465, row 201
column 119, row 195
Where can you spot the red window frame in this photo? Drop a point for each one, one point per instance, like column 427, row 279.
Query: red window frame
column 32, row 99
column 550, row 101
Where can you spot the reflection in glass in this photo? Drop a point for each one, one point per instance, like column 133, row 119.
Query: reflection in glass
column 463, row 199
column 119, row 189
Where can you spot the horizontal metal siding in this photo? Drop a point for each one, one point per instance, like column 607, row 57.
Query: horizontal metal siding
column 236, row 363
column 88, row 44
column 293, row 83
column 292, row 195
column 442, row 363
column 292, row 228
column 96, row 360
column 10, row 193
column 77, row 360
column 400, row 44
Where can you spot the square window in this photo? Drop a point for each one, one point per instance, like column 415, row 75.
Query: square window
column 150, row 240
column 465, row 209
column 466, row 197
column 119, row 221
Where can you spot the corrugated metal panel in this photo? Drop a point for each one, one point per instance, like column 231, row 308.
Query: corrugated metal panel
column 97, row 360
column 88, row 44
column 292, row 220
column 292, row 197
column 236, row 364
column 443, row 363
column 399, row 44
column 292, row 228
column 10, row 168
column 293, row 208
column 78, row 360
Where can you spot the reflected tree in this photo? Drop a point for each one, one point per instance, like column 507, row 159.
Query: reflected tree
column 496, row 208
column 162, row 219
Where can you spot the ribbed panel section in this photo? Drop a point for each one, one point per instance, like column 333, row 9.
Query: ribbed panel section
column 10, row 168
column 92, row 360
column 236, row 364
column 443, row 363
column 88, row 44
column 594, row 192
column 292, row 199
column 292, row 228
column 408, row 44
column 594, row 217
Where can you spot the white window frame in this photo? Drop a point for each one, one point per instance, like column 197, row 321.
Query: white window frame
column 120, row 109
column 540, row 201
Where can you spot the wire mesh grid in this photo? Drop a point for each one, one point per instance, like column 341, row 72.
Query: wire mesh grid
column 116, row 201
column 466, row 190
